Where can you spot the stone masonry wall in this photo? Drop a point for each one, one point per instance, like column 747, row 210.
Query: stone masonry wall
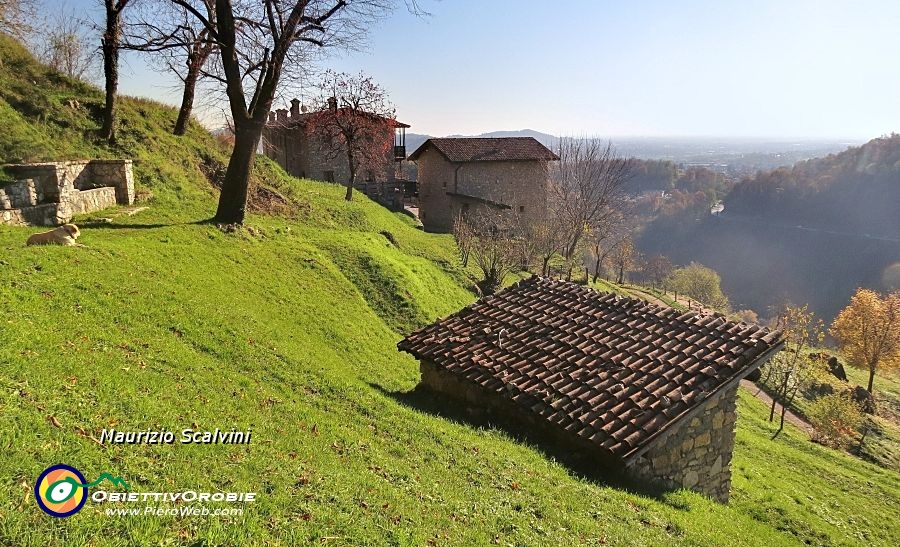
column 50, row 193
column 522, row 185
column 21, row 193
column 303, row 155
column 483, row 403
column 696, row 455
column 97, row 199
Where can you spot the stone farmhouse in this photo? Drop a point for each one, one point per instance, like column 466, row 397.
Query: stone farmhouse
column 458, row 175
column 639, row 389
column 287, row 141
column 49, row 194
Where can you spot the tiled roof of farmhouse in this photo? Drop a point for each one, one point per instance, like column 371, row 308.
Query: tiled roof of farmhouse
column 613, row 370
column 304, row 117
column 488, row 149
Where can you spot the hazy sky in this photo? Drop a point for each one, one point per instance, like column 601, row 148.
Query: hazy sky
column 768, row 68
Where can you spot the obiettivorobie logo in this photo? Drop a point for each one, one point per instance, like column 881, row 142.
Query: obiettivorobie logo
column 61, row 490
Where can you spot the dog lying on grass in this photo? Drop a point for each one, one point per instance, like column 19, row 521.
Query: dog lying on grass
column 64, row 235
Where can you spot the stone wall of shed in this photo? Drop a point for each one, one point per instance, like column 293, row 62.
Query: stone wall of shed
column 522, row 185
column 483, row 403
column 697, row 454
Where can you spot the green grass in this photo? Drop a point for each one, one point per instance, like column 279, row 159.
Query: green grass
column 181, row 324
column 290, row 328
column 881, row 444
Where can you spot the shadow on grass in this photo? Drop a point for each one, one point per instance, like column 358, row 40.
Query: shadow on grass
column 97, row 224
column 579, row 464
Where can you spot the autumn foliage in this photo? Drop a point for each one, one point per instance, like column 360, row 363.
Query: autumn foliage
column 868, row 331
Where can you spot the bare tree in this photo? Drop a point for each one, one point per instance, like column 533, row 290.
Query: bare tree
column 623, row 258
column 463, row 234
column 495, row 239
column 606, row 235
column 355, row 120
column 17, row 16
column 180, row 44
column 547, row 236
column 658, row 268
column 791, row 367
column 256, row 40
column 110, row 43
column 587, row 189
column 65, row 45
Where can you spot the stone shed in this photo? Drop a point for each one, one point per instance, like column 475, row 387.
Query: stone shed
column 49, row 194
column 456, row 176
column 639, row 388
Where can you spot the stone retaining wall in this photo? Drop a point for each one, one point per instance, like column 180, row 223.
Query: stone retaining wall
column 21, row 193
column 51, row 193
column 97, row 199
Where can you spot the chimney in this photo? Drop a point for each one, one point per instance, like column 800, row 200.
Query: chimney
column 282, row 115
column 295, row 108
column 332, row 103
column 271, row 117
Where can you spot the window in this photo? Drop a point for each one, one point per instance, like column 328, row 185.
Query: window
column 370, row 176
column 445, row 183
column 521, row 208
column 329, row 176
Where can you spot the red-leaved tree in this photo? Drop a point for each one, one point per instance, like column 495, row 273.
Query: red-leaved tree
column 355, row 121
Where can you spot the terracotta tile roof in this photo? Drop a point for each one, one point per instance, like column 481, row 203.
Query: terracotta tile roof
column 614, row 371
column 466, row 149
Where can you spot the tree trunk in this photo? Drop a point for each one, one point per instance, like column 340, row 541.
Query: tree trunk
column 871, row 378
column 781, row 423
column 349, row 195
column 110, row 46
column 545, row 267
column 195, row 63
column 233, row 199
column 772, row 410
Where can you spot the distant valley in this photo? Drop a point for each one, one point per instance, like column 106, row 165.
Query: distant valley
column 811, row 233
column 804, row 221
column 741, row 155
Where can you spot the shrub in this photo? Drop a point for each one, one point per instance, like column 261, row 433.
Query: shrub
column 836, row 419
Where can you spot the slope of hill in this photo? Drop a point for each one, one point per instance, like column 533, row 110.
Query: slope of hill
column 855, row 191
column 289, row 327
column 808, row 234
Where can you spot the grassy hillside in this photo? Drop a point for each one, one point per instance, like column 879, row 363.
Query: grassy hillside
column 289, row 327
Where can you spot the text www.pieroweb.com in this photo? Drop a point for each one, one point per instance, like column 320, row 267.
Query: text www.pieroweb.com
column 187, row 511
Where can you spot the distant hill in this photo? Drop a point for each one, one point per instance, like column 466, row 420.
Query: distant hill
column 856, row 191
column 733, row 155
column 811, row 233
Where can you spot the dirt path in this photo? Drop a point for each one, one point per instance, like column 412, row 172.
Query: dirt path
column 789, row 416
